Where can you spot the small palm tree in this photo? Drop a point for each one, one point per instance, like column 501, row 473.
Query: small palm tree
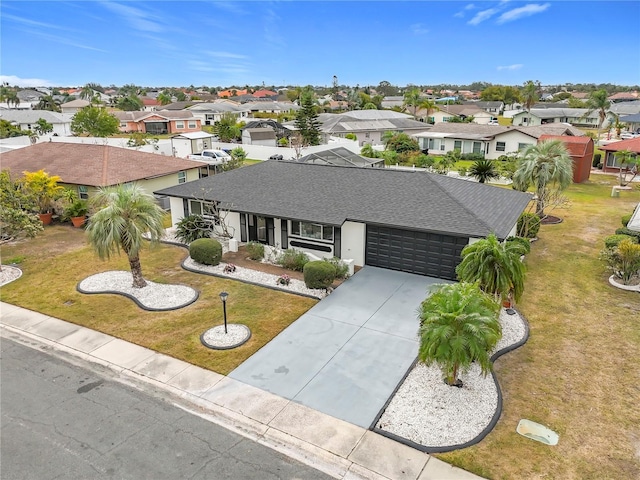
column 483, row 170
column 598, row 102
column 127, row 213
column 495, row 266
column 458, row 325
column 547, row 166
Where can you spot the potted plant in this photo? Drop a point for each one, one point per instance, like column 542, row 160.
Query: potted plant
column 77, row 212
column 45, row 189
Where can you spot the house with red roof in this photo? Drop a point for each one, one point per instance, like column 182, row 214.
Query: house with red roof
column 264, row 93
column 233, row 92
column 581, row 152
column 160, row 122
column 150, row 104
column 611, row 162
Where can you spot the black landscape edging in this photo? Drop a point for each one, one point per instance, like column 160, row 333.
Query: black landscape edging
column 137, row 302
column 230, row 346
column 257, row 284
column 482, row 434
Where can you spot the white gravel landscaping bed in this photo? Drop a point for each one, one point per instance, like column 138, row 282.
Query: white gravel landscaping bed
column 256, row 276
column 428, row 412
column 8, row 274
column 154, row 296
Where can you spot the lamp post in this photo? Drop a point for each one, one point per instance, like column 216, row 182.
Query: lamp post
column 223, row 297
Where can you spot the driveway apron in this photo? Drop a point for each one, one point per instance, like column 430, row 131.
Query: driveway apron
column 345, row 356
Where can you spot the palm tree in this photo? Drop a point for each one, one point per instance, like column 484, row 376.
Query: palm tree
column 164, row 98
column 483, row 170
column 127, row 213
column 546, row 166
column 627, row 160
column 495, row 266
column 47, row 102
column 430, row 106
column 11, row 97
column 598, row 102
column 412, row 99
column 529, row 95
column 458, row 326
column 86, row 93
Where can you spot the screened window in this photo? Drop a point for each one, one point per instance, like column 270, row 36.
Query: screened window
column 501, row 146
column 182, row 177
column 192, row 125
column 477, row 147
column 179, row 124
column 195, row 207
column 457, row 145
column 522, row 146
column 83, row 192
column 315, row 231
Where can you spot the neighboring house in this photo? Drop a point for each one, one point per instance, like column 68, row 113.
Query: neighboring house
column 492, row 107
column 265, row 136
column 575, row 116
column 209, row 113
column 625, row 108
column 158, row 123
column 150, row 104
column 232, row 92
column 74, row 106
column 393, row 101
column 611, row 163
column 85, row 167
column 31, row 97
column 280, row 129
column 632, row 122
column 415, row 222
column 190, row 143
column 180, row 105
column 267, row 106
column 368, row 125
column 446, row 113
column 624, row 97
column 27, row 119
column 492, row 141
column 265, row 93
column 19, row 106
column 581, row 152
column 341, row 157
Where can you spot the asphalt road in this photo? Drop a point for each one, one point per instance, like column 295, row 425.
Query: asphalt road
column 60, row 421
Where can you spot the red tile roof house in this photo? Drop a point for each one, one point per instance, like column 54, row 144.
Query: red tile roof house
column 581, row 152
column 161, row 122
column 85, row 167
column 612, row 164
column 150, row 104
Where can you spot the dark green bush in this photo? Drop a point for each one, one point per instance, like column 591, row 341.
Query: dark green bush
column 255, row 250
column 193, row 227
column 612, row 241
column 293, row 259
column 596, row 160
column 319, row 274
column 526, row 244
column 206, row 251
column 626, row 219
column 472, row 156
column 342, row 269
column 626, row 231
column 528, row 225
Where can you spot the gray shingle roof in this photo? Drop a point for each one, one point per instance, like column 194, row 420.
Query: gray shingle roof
column 333, row 195
column 32, row 116
column 340, row 156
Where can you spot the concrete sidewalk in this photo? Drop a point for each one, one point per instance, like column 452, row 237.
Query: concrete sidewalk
column 338, row 448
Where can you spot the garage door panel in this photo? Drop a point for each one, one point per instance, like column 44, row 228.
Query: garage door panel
column 424, row 253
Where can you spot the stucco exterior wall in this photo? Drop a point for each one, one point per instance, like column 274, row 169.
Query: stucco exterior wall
column 353, row 242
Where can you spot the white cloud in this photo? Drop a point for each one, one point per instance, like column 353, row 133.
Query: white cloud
column 419, row 29
column 32, row 23
column 226, row 55
column 138, row 19
column 461, row 13
column 482, row 16
column 25, row 82
column 515, row 66
column 471, row 6
column 522, row 12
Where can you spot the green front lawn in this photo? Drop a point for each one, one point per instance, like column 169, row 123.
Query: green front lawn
column 59, row 258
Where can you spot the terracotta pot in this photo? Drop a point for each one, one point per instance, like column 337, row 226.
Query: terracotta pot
column 506, row 304
column 78, row 221
column 46, row 218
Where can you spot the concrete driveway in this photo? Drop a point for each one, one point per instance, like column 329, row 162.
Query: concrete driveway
column 345, row 356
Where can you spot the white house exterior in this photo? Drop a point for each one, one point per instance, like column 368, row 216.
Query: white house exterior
column 541, row 116
column 74, row 106
column 27, row 119
column 209, row 113
column 190, row 143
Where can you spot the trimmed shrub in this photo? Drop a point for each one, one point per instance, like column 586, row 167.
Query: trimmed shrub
column 612, row 241
column 206, row 251
column 596, row 160
column 462, row 171
column 626, row 219
column 626, row 231
column 342, row 269
column 193, row 227
column 319, row 274
column 528, row 225
column 293, row 259
column 255, row 250
column 472, row 156
column 526, row 244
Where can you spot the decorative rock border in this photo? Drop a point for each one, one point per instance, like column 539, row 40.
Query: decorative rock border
column 492, row 423
column 9, row 274
column 622, row 286
column 215, row 338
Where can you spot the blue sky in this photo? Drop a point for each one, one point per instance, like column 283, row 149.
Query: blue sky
column 214, row 43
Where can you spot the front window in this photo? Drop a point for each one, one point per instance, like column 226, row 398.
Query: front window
column 182, row 177
column 501, row 146
column 457, row 145
column 83, row 192
column 522, row 146
column 314, row 231
column 192, row 125
column 179, row 124
column 477, row 147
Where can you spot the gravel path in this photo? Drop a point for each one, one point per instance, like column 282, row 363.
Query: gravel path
column 256, row 276
column 155, row 296
column 428, row 412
